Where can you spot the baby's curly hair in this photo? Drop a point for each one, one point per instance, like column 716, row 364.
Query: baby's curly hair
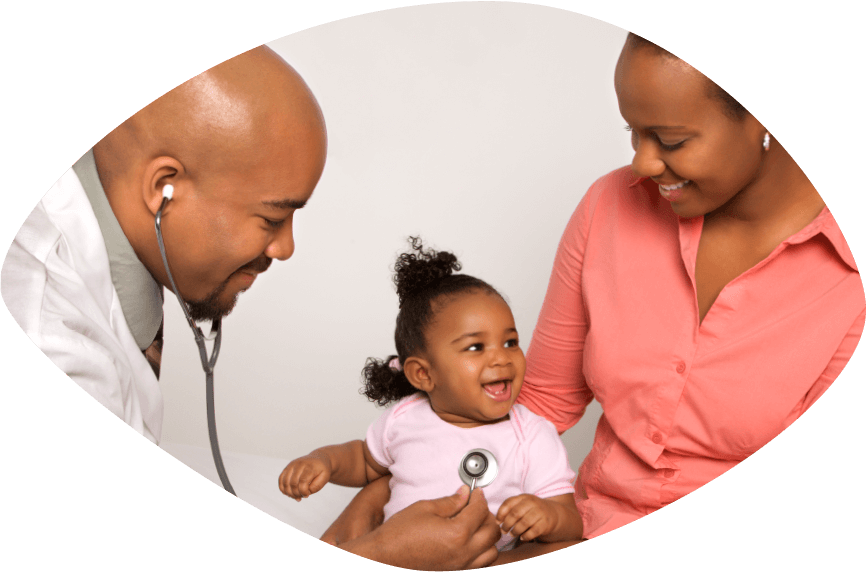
column 422, row 277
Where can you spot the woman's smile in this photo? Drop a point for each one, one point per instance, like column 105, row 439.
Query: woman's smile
column 672, row 192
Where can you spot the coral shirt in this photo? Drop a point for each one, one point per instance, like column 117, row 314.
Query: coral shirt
column 682, row 401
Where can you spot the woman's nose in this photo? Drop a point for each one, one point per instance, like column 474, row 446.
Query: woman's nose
column 646, row 161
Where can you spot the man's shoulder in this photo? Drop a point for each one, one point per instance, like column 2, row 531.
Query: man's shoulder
column 46, row 257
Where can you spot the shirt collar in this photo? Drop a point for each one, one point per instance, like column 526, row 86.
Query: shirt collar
column 823, row 223
column 141, row 297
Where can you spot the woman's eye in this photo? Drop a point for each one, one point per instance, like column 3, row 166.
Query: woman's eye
column 662, row 144
column 670, row 147
column 633, row 137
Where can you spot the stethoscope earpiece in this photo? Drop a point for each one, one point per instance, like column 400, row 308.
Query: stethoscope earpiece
column 478, row 468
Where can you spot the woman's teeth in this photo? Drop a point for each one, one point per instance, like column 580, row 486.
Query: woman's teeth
column 672, row 192
column 674, row 187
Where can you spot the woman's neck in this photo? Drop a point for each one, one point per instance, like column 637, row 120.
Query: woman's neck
column 780, row 196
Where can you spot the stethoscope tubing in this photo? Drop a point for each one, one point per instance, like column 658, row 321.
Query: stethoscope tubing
column 208, row 363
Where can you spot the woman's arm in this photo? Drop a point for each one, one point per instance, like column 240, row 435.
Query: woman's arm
column 835, row 366
column 363, row 514
column 529, row 550
column 554, row 384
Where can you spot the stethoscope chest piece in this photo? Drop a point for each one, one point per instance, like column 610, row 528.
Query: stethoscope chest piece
column 478, row 468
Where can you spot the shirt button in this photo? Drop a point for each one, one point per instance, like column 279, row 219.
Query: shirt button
column 668, row 473
column 657, row 438
column 681, row 367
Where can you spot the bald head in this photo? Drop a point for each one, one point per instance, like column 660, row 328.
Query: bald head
column 217, row 118
column 243, row 144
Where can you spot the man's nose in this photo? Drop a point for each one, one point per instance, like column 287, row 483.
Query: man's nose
column 283, row 244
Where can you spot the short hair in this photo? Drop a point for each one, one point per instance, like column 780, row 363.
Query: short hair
column 731, row 106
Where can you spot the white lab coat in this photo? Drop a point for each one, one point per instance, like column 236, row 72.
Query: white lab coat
column 57, row 285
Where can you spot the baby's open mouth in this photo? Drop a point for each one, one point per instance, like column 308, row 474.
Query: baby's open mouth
column 500, row 390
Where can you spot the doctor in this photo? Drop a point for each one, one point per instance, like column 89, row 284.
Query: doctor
column 243, row 145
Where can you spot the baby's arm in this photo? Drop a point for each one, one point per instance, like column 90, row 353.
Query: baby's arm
column 349, row 464
column 553, row 519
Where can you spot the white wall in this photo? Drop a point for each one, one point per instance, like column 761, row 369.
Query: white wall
column 478, row 126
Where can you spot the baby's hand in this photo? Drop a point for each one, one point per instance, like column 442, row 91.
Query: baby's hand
column 527, row 517
column 305, row 476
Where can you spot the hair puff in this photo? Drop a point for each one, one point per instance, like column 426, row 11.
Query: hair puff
column 421, row 269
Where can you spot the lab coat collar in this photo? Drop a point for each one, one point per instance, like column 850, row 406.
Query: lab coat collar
column 141, row 297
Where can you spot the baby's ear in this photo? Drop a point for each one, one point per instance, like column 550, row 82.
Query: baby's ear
column 417, row 371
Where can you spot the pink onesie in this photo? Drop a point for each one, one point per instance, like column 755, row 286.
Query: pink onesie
column 423, row 453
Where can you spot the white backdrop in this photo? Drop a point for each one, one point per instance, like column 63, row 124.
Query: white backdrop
column 477, row 126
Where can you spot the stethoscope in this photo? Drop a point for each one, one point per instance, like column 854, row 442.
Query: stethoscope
column 207, row 362
column 478, row 468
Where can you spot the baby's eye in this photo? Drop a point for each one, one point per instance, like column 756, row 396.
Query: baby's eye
column 512, row 343
column 476, row 347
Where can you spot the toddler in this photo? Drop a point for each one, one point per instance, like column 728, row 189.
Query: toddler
column 455, row 378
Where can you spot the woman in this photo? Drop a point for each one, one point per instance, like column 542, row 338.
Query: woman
column 705, row 297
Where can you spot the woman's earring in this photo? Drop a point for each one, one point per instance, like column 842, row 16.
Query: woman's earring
column 766, row 143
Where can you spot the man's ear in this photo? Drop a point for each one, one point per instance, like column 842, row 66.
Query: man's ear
column 160, row 172
column 417, row 371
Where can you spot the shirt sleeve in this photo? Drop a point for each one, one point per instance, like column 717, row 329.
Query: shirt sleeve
column 98, row 365
column 377, row 438
column 548, row 472
column 70, row 330
column 554, row 385
column 837, row 363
